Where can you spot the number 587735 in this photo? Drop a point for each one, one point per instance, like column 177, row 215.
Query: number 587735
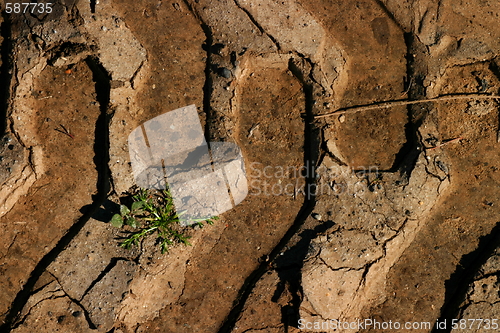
column 28, row 7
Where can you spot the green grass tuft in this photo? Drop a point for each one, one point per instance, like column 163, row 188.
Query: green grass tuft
column 153, row 214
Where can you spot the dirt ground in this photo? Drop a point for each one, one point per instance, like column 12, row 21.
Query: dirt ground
column 370, row 137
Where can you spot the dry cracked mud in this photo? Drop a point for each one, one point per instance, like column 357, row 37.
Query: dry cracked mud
column 370, row 135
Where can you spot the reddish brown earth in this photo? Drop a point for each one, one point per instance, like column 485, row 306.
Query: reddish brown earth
column 402, row 226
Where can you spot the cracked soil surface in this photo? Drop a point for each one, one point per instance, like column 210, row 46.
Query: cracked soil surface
column 370, row 135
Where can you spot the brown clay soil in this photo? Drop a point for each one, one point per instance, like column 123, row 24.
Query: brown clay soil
column 370, row 141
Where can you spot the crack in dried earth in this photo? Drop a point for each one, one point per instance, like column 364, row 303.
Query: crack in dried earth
column 359, row 235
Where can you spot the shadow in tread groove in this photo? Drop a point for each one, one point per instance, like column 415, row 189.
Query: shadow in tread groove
column 407, row 157
column 6, row 70
column 101, row 159
column 289, row 268
column 207, row 88
column 459, row 282
column 311, row 146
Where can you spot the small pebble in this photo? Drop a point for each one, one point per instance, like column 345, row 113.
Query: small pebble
column 316, row 216
column 224, row 72
column 342, row 118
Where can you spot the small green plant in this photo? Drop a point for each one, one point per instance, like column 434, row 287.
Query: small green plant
column 153, row 213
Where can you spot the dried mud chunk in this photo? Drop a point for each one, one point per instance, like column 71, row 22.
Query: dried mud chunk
column 119, row 50
column 367, row 139
column 480, row 310
column 483, row 295
column 324, row 297
column 350, row 248
column 85, row 258
column 54, row 315
column 107, row 294
column 485, row 290
column 263, row 297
